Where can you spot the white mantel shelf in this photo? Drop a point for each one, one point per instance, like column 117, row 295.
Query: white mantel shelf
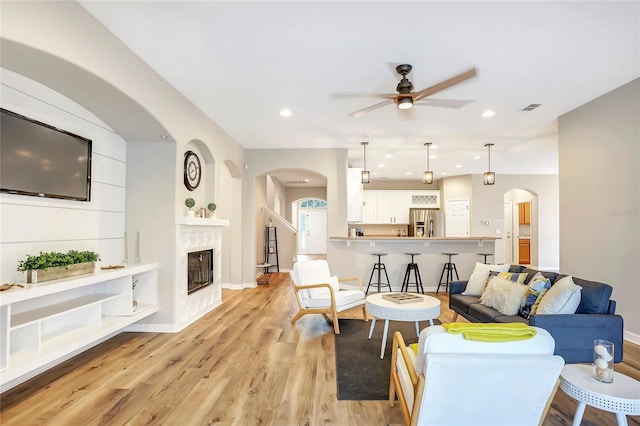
column 201, row 221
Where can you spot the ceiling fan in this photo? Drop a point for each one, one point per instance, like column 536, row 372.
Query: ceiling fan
column 406, row 98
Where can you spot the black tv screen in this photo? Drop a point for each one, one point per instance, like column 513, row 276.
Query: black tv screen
column 41, row 160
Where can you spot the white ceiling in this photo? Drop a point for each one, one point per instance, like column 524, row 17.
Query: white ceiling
column 242, row 62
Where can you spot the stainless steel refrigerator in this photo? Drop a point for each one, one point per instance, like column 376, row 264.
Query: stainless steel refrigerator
column 424, row 223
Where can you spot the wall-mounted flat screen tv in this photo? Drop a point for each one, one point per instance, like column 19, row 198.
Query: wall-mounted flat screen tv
column 41, row 160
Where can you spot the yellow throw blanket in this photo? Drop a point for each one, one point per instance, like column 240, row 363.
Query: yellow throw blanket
column 493, row 332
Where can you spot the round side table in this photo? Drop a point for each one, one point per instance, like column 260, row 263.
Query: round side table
column 379, row 307
column 621, row 397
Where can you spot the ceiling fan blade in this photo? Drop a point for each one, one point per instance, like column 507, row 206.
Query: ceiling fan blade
column 363, row 111
column 444, row 103
column 445, row 84
column 363, row 95
column 406, row 114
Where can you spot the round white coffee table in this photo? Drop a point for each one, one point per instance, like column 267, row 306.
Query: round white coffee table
column 425, row 310
column 621, row 397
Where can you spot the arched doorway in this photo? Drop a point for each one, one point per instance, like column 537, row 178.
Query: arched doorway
column 311, row 222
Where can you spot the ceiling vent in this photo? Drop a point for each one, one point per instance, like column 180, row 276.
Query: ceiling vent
column 296, row 182
column 530, row 107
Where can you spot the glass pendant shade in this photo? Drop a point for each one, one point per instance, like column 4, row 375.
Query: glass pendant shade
column 366, row 176
column 427, row 175
column 489, row 178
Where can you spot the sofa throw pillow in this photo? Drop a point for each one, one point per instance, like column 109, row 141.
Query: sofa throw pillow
column 514, row 277
column 538, row 286
column 317, row 292
column 562, row 298
column 478, row 279
column 504, row 295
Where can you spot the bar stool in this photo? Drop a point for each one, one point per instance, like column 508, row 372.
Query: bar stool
column 485, row 256
column 379, row 266
column 448, row 269
column 416, row 272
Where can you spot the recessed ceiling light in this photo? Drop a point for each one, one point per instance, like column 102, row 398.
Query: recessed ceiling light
column 286, row 112
column 374, row 173
column 488, row 113
column 306, row 180
column 164, row 136
column 458, row 166
column 477, row 157
column 444, row 174
column 408, row 173
column 433, row 156
column 381, row 165
column 388, row 156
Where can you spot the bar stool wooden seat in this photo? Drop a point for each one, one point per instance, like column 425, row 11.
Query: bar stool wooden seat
column 448, row 270
column 412, row 266
column 379, row 267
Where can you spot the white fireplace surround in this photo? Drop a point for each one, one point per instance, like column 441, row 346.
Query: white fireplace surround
column 196, row 234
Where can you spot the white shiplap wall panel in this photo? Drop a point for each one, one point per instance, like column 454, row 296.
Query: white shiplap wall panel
column 37, row 224
column 108, row 170
column 29, row 225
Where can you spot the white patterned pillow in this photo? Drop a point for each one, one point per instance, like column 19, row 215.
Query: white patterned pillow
column 478, row 279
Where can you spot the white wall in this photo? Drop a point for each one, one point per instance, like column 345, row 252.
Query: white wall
column 599, row 153
column 31, row 224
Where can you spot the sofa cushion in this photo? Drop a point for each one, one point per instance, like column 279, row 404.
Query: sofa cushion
column 504, row 294
column 462, row 302
column 511, row 318
column 343, row 298
column 478, row 279
column 482, row 313
column 562, row 298
column 594, row 298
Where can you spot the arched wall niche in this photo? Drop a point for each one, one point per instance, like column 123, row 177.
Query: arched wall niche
column 119, row 111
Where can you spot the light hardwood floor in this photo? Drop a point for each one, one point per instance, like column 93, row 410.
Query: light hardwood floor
column 242, row 364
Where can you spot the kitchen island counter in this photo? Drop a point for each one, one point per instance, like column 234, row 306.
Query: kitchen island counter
column 355, row 255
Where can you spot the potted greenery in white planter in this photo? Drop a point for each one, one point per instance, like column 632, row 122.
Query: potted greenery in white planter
column 190, row 202
column 212, row 209
column 53, row 265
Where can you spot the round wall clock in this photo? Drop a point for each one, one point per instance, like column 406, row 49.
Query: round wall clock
column 192, row 170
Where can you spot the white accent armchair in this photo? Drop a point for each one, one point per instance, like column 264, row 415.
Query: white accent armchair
column 318, row 292
column 453, row 381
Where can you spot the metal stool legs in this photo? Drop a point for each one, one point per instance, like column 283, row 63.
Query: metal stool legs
column 407, row 276
column 448, row 269
column 379, row 267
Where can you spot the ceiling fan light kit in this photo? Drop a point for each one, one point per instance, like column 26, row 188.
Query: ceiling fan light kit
column 405, row 103
column 489, row 177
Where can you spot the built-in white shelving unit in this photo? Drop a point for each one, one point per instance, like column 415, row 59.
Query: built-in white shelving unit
column 45, row 324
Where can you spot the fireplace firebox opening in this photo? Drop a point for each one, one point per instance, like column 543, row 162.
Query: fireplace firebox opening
column 199, row 270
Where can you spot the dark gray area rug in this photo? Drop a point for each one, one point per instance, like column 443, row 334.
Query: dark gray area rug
column 360, row 373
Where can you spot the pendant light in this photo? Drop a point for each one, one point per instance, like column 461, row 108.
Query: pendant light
column 427, row 175
column 489, row 177
column 366, row 176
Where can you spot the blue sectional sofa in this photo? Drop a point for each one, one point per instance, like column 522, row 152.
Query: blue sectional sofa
column 574, row 334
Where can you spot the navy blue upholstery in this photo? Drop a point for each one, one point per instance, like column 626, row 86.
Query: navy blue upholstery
column 574, row 334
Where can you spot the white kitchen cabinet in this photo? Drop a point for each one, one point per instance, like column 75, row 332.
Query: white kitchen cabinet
column 354, row 195
column 425, row 199
column 47, row 323
column 369, row 205
column 386, row 207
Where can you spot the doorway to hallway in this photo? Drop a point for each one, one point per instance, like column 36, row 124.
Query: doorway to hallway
column 312, row 227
